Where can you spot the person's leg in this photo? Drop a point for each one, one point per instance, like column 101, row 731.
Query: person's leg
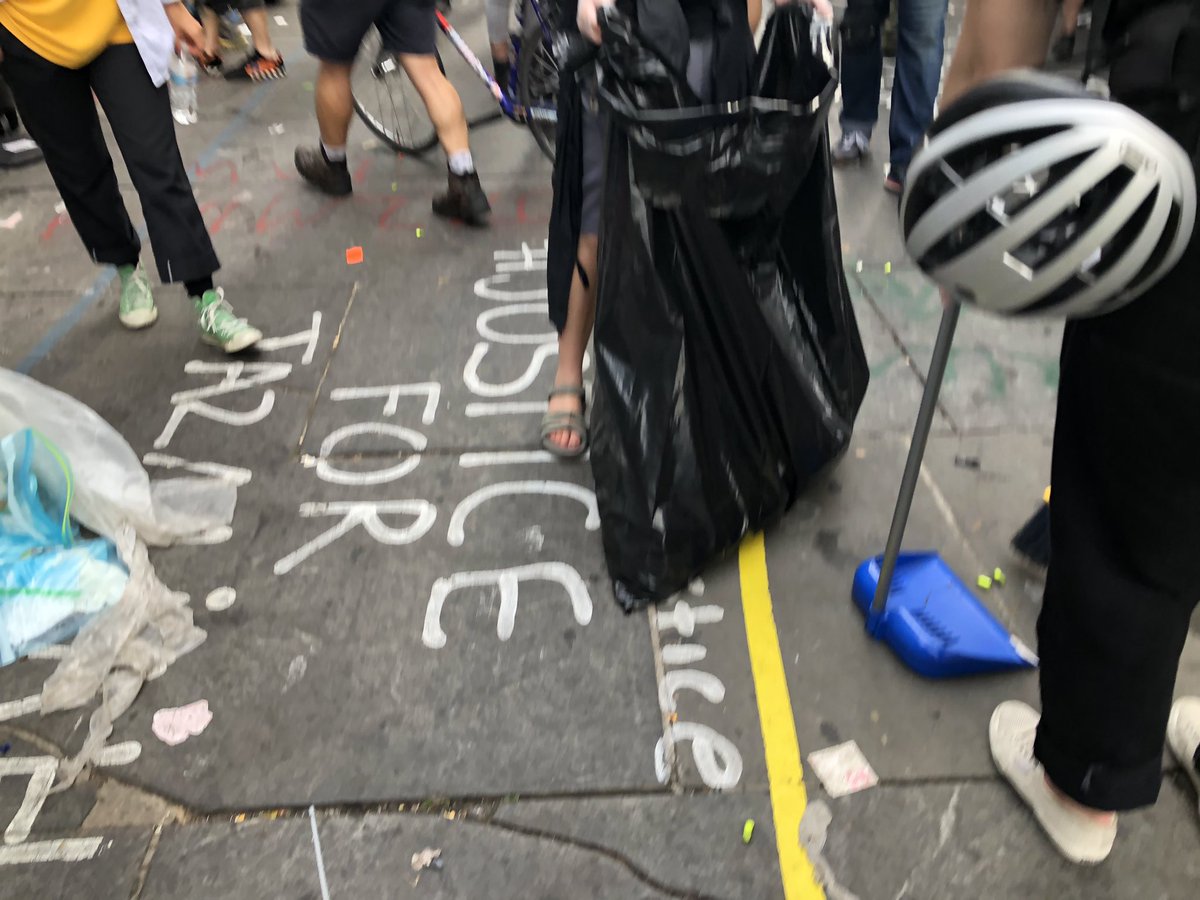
column 922, row 30
column 1064, row 47
column 1120, row 590
column 335, row 105
column 211, row 20
column 264, row 62
column 441, row 100
column 254, row 14
column 573, row 342
column 332, row 34
column 581, row 304
column 862, row 69
column 57, row 109
column 140, row 116
column 324, row 166
column 498, row 15
column 997, row 36
column 409, row 27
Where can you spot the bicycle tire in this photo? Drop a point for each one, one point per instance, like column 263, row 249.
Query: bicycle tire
column 403, row 122
column 537, row 85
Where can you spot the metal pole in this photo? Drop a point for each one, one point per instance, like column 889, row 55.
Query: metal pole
column 916, row 453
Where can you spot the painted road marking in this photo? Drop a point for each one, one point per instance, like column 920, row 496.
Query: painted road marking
column 785, row 774
column 316, row 839
column 63, row 850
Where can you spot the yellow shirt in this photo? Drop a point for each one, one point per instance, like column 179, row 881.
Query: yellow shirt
column 69, row 33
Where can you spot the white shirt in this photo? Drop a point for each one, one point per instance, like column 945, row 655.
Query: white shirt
column 152, row 34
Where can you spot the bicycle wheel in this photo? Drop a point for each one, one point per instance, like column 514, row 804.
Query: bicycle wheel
column 388, row 103
column 537, row 79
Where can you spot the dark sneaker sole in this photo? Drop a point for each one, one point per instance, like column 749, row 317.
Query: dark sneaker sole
column 473, row 221
column 474, row 218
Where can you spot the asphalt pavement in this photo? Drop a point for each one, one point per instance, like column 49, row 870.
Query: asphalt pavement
column 378, row 689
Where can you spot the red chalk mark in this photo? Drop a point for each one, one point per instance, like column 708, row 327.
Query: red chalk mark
column 264, row 223
column 393, row 204
column 521, row 218
column 202, row 172
column 223, row 213
column 273, row 219
column 56, row 223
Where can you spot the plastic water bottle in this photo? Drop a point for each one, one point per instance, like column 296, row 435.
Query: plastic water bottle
column 183, row 77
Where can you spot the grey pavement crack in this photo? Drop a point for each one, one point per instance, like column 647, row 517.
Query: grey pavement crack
column 139, row 883
column 337, row 340
column 615, row 855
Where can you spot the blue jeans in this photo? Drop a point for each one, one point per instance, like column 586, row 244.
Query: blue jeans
column 918, row 72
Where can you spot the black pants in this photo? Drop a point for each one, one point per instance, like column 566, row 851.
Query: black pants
column 1125, row 527
column 59, row 113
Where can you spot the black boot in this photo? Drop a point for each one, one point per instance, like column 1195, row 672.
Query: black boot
column 464, row 200
column 330, row 177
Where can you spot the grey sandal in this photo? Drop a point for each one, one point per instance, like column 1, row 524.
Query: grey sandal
column 573, row 422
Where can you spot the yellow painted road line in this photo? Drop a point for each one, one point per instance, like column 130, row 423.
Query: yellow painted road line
column 785, row 774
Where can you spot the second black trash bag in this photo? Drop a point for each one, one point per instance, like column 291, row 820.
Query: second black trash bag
column 729, row 368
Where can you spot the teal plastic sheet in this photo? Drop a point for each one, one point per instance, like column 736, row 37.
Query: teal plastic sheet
column 52, row 582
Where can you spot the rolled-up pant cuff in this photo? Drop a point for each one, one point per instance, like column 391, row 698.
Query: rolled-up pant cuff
column 1098, row 785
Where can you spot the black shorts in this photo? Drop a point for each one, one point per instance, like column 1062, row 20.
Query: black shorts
column 334, row 29
column 220, row 7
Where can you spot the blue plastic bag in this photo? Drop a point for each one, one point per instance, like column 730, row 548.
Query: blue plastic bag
column 51, row 581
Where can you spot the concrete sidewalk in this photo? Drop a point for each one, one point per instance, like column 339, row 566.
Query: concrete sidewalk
column 376, row 692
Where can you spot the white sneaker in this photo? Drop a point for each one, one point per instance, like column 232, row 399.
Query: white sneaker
column 1183, row 735
column 1077, row 837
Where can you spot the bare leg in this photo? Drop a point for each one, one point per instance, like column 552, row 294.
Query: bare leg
column 754, row 14
column 335, row 102
column 256, row 21
column 440, row 99
column 500, row 52
column 572, row 343
column 1070, row 15
column 212, row 31
column 999, row 35
column 1099, row 816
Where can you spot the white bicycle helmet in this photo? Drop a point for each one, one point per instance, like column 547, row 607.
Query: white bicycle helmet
column 1035, row 197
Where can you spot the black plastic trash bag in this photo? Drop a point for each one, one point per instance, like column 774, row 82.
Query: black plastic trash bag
column 729, row 368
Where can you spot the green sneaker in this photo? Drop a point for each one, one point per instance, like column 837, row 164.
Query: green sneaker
column 220, row 327
column 137, row 299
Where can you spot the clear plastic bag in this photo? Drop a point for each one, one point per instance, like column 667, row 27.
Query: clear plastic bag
column 111, row 489
column 151, row 626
